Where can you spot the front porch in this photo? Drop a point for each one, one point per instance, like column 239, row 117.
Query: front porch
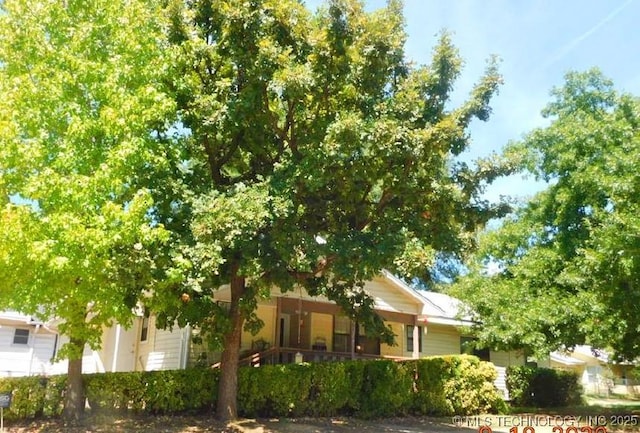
column 303, row 330
column 319, row 331
column 289, row 356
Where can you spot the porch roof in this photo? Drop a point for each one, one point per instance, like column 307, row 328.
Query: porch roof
column 443, row 309
column 391, row 294
column 17, row 317
column 565, row 359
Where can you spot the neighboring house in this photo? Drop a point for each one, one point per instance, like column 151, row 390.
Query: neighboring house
column 598, row 373
column 28, row 347
column 298, row 327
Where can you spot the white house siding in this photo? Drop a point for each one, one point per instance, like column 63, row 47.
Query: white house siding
column 163, row 349
column 389, row 298
column 92, row 361
column 505, row 359
column 118, row 347
column 30, row 359
column 501, row 381
column 502, row 360
column 440, row 340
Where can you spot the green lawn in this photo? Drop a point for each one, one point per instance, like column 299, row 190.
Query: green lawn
column 620, row 413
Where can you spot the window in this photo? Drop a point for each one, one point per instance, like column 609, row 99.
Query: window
column 594, row 372
column 366, row 344
column 144, row 333
column 468, row 346
column 21, row 336
column 530, row 359
column 409, row 329
column 341, row 334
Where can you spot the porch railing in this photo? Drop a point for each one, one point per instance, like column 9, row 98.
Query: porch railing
column 280, row 355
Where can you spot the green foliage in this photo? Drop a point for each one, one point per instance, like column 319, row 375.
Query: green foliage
column 180, row 390
column 543, row 387
column 430, row 397
column 459, row 385
column 34, row 397
column 289, row 127
column 568, row 258
column 469, row 388
column 280, row 390
column 315, row 155
column 153, row 391
column 386, row 389
column 81, row 115
column 293, row 390
column 303, row 126
column 369, row 389
column 335, row 388
column 115, row 391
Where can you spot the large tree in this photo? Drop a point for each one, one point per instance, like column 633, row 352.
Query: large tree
column 568, row 262
column 313, row 155
column 81, row 131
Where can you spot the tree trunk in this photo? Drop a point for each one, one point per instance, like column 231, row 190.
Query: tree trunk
column 227, row 407
column 74, row 396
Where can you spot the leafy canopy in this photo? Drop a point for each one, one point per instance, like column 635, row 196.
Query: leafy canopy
column 315, row 154
column 81, row 117
column 569, row 262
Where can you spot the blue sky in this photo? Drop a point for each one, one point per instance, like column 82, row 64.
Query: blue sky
column 538, row 41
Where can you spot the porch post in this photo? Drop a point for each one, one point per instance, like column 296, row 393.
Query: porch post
column 416, row 341
column 276, row 339
column 353, row 340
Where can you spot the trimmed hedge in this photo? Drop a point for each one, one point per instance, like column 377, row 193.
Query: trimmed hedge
column 543, row 387
column 155, row 392
column 382, row 388
column 148, row 391
column 34, row 397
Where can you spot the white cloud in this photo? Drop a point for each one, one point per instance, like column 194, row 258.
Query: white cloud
column 573, row 43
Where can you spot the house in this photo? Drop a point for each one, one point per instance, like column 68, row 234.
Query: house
column 598, row 373
column 28, row 347
column 298, row 327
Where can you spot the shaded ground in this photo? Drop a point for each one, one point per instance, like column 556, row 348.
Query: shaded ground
column 612, row 414
column 204, row 424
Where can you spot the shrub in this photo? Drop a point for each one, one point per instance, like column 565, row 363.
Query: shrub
column 381, row 388
column 54, row 395
column 171, row 391
column 543, row 387
column 334, row 388
column 386, row 389
column 274, row 390
column 470, row 387
column 460, row 384
column 152, row 391
column 429, row 396
column 108, row 392
column 34, row 396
